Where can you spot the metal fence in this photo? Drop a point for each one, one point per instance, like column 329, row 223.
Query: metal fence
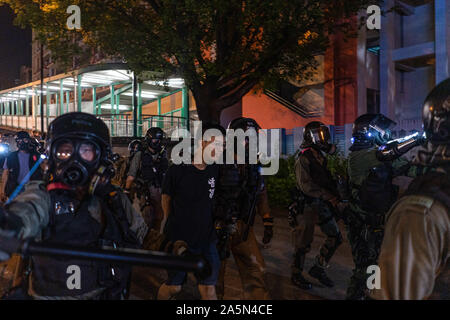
column 123, row 125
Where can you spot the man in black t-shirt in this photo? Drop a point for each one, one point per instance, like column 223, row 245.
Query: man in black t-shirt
column 187, row 201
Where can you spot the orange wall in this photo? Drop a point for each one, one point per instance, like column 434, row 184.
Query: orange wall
column 270, row 114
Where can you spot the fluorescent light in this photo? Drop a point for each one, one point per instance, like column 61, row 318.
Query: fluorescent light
column 121, row 107
column 143, row 95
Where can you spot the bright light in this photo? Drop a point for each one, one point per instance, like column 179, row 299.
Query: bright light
column 121, row 107
column 143, row 95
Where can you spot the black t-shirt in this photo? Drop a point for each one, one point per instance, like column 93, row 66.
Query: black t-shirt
column 192, row 193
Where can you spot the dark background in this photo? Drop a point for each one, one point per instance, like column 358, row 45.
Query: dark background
column 15, row 48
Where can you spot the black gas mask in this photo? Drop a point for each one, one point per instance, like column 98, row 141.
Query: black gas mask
column 75, row 161
column 23, row 144
column 153, row 139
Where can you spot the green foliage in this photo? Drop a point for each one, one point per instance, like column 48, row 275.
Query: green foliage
column 337, row 164
column 221, row 48
column 279, row 185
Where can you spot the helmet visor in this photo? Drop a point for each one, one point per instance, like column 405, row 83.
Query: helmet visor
column 320, row 135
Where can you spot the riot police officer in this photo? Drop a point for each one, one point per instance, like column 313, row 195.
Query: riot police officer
column 75, row 205
column 415, row 253
column 18, row 164
column 122, row 165
column 241, row 193
column 372, row 165
column 147, row 169
column 314, row 180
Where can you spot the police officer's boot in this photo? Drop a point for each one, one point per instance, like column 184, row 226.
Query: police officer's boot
column 318, row 272
column 297, row 268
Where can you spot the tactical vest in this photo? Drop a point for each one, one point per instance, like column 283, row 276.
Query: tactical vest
column 152, row 168
column 377, row 194
column 14, row 169
column 74, row 223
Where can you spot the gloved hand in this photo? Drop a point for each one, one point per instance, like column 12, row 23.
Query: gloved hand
column 268, row 230
column 9, row 225
column 6, row 243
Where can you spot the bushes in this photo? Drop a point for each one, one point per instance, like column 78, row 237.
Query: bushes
column 280, row 185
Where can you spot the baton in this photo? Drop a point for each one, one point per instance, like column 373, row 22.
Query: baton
column 105, row 254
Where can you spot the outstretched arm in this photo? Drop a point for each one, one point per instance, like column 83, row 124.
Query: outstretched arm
column 28, row 214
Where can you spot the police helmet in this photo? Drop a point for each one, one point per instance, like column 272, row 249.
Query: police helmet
column 370, row 130
column 153, row 138
column 135, row 146
column 77, row 144
column 317, row 134
column 436, row 114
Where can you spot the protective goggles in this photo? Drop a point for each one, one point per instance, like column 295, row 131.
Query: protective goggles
column 87, row 151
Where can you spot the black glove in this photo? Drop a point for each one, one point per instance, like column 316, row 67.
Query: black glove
column 268, row 230
column 10, row 225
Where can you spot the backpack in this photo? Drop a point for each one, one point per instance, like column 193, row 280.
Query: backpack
column 377, row 193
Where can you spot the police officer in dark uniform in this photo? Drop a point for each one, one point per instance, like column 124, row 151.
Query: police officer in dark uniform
column 75, row 205
column 315, row 182
column 147, row 170
column 373, row 163
column 19, row 163
column 414, row 258
column 241, row 194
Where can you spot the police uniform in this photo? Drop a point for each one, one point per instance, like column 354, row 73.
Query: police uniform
column 365, row 230
column 247, row 254
column 148, row 169
column 372, row 165
column 317, row 184
column 76, row 205
column 414, row 258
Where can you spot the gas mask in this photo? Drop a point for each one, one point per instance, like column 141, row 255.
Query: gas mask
column 155, row 144
column 23, row 144
column 75, row 161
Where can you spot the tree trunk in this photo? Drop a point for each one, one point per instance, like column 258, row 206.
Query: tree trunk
column 205, row 104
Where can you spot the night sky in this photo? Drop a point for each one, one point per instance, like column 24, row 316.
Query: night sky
column 15, row 48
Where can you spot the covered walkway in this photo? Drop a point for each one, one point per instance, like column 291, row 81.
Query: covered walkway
column 106, row 90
